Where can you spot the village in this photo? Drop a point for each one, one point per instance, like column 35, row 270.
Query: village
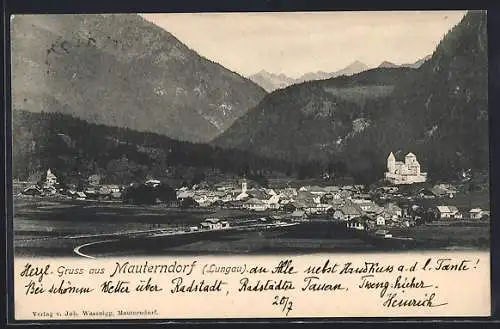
column 404, row 200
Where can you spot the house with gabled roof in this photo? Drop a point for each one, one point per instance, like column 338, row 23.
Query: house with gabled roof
column 299, row 214
column 214, row 224
column 255, row 204
column 448, row 212
column 32, row 190
column 476, row 213
column 356, row 224
column 392, row 210
column 347, row 212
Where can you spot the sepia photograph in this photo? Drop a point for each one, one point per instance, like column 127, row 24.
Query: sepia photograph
column 269, row 133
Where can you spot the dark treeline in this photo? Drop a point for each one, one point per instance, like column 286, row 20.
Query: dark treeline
column 75, row 149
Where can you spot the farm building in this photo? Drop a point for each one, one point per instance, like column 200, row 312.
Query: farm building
column 347, row 213
column 214, row 224
column 448, row 212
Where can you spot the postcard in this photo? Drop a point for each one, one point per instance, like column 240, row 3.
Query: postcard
column 250, row 165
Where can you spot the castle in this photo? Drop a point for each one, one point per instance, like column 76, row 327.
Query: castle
column 407, row 172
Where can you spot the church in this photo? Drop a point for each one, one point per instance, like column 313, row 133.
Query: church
column 407, row 172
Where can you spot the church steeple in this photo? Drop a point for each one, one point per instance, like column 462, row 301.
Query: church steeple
column 244, row 185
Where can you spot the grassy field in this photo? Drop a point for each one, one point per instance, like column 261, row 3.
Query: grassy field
column 464, row 201
column 43, row 224
column 37, row 216
column 449, row 236
column 361, row 93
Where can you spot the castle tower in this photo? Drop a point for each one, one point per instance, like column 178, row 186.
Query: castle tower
column 410, row 159
column 391, row 163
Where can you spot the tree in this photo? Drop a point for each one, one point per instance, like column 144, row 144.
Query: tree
column 165, row 192
column 139, row 194
column 289, row 207
column 199, row 176
column 429, row 216
column 189, row 203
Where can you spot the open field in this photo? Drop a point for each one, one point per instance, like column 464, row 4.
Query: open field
column 450, row 236
column 44, row 225
column 464, row 201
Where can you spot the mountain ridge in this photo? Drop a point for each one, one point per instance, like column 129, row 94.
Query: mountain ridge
column 387, row 64
column 272, row 81
column 318, row 112
column 122, row 69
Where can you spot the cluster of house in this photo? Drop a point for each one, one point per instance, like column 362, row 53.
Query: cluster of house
column 48, row 186
column 94, row 190
column 452, row 212
column 341, row 203
column 393, row 215
column 347, row 203
column 309, row 199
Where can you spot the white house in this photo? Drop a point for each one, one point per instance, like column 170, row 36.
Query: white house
column 81, row 196
column 445, row 212
column 255, row 204
column 392, row 211
column 356, row 224
column 475, row 213
column 201, row 199
column 273, row 202
column 336, row 195
column 108, row 189
column 316, row 208
column 380, row 220
column 365, row 205
column 184, row 194
column 214, row 224
column 152, row 182
column 228, row 197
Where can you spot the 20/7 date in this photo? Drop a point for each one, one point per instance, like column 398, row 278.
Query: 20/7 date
column 285, row 303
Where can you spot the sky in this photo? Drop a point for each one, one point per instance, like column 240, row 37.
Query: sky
column 300, row 42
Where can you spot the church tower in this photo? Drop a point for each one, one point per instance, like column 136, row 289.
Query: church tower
column 391, row 163
column 244, row 186
column 50, row 178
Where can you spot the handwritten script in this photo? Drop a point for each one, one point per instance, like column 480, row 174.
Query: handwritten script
column 284, row 284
